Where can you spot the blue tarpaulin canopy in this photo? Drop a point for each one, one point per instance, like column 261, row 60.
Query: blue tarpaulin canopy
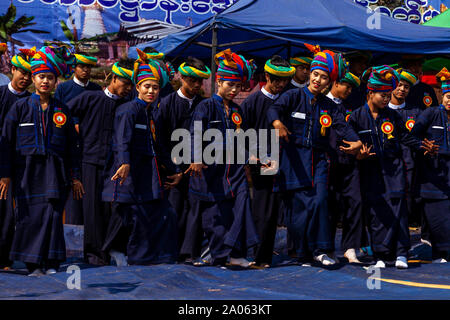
column 265, row 27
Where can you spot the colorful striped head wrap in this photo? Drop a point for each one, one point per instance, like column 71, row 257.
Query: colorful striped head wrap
column 297, row 61
column 278, row 71
column 189, row 71
column 82, row 59
column 24, row 63
column 145, row 69
column 381, row 78
column 122, row 72
column 3, row 48
column 352, row 79
column 155, row 56
column 444, row 77
column 328, row 61
column 58, row 60
column 233, row 67
column 170, row 70
column 407, row 76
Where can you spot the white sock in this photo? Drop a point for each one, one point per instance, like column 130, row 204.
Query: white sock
column 380, row 264
column 402, row 262
column 440, row 260
column 119, row 257
column 325, row 260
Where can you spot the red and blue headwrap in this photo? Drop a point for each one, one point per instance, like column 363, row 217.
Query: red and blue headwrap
column 328, row 61
column 58, row 60
column 381, row 78
column 444, row 77
column 233, row 67
column 150, row 69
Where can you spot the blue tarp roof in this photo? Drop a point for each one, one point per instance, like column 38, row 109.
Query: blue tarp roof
column 340, row 25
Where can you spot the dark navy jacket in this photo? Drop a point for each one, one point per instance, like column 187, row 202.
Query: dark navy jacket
column 434, row 172
column 409, row 113
column 94, row 112
column 174, row 113
column 69, row 89
column 383, row 173
column 422, row 95
column 7, row 99
column 25, row 136
column 336, row 155
column 134, row 144
column 218, row 181
column 303, row 159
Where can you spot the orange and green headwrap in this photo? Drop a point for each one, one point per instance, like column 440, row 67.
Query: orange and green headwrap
column 352, row 79
column 328, row 61
column 297, row 61
column 406, row 76
column 149, row 69
column 122, row 72
column 444, row 77
column 24, row 62
column 58, row 60
column 3, row 48
column 190, row 71
column 155, row 56
column 381, row 78
column 87, row 60
column 233, row 67
column 278, row 71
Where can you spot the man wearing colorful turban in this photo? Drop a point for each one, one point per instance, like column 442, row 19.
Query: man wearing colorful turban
column 358, row 62
column 133, row 181
column 266, row 203
column 94, row 112
column 175, row 112
column 38, row 132
column 9, row 94
column 421, row 94
column 409, row 114
column 434, row 173
column 303, row 118
column 344, row 178
column 65, row 92
column 381, row 166
column 218, row 191
column 302, row 63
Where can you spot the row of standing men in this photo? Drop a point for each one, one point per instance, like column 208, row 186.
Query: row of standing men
column 135, row 200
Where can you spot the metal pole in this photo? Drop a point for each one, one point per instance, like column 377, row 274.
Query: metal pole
column 289, row 51
column 213, row 64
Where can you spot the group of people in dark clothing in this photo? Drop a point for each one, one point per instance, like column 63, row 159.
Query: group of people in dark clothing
column 366, row 146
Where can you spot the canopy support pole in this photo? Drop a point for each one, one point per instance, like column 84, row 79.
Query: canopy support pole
column 213, row 54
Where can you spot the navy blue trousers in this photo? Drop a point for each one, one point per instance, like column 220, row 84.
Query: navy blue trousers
column 73, row 210
column 388, row 226
column 308, row 221
column 345, row 201
column 265, row 209
column 228, row 226
column 179, row 200
column 96, row 214
column 39, row 235
column 437, row 214
column 6, row 228
column 148, row 232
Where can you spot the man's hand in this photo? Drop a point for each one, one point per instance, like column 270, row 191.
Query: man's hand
column 77, row 128
column 195, row 169
column 78, row 189
column 354, row 147
column 429, row 147
column 176, row 178
column 4, row 185
column 122, row 173
column 269, row 169
column 364, row 153
column 283, row 132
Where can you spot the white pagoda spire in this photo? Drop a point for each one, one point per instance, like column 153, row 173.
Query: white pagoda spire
column 93, row 22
